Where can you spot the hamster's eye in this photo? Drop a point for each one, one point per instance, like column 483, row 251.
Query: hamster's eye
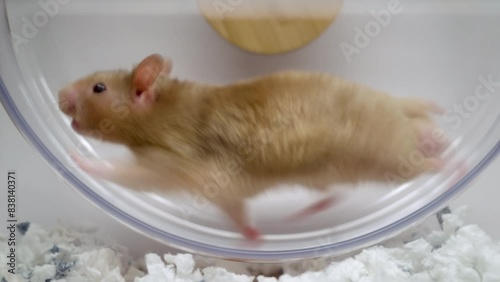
column 99, row 87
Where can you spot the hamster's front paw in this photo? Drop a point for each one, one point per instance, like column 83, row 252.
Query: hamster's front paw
column 94, row 167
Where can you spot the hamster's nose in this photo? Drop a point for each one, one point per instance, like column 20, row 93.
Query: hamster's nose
column 67, row 100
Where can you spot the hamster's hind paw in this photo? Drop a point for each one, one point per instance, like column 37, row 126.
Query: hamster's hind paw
column 251, row 233
column 315, row 208
column 431, row 140
column 420, row 108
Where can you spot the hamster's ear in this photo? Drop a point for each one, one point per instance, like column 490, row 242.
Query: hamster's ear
column 144, row 77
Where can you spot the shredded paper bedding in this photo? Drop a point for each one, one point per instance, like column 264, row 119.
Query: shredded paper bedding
column 456, row 252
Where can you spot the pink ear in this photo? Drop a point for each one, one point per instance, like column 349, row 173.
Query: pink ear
column 145, row 75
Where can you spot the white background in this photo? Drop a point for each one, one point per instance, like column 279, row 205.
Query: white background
column 44, row 198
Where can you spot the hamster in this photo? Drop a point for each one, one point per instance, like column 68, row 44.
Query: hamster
column 228, row 143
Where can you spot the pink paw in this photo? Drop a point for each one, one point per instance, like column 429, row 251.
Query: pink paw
column 436, row 108
column 93, row 167
column 251, row 233
column 432, row 141
column 78, row 159
column 315, row 208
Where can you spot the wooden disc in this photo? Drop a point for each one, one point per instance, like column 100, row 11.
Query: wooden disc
column 270, row 26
